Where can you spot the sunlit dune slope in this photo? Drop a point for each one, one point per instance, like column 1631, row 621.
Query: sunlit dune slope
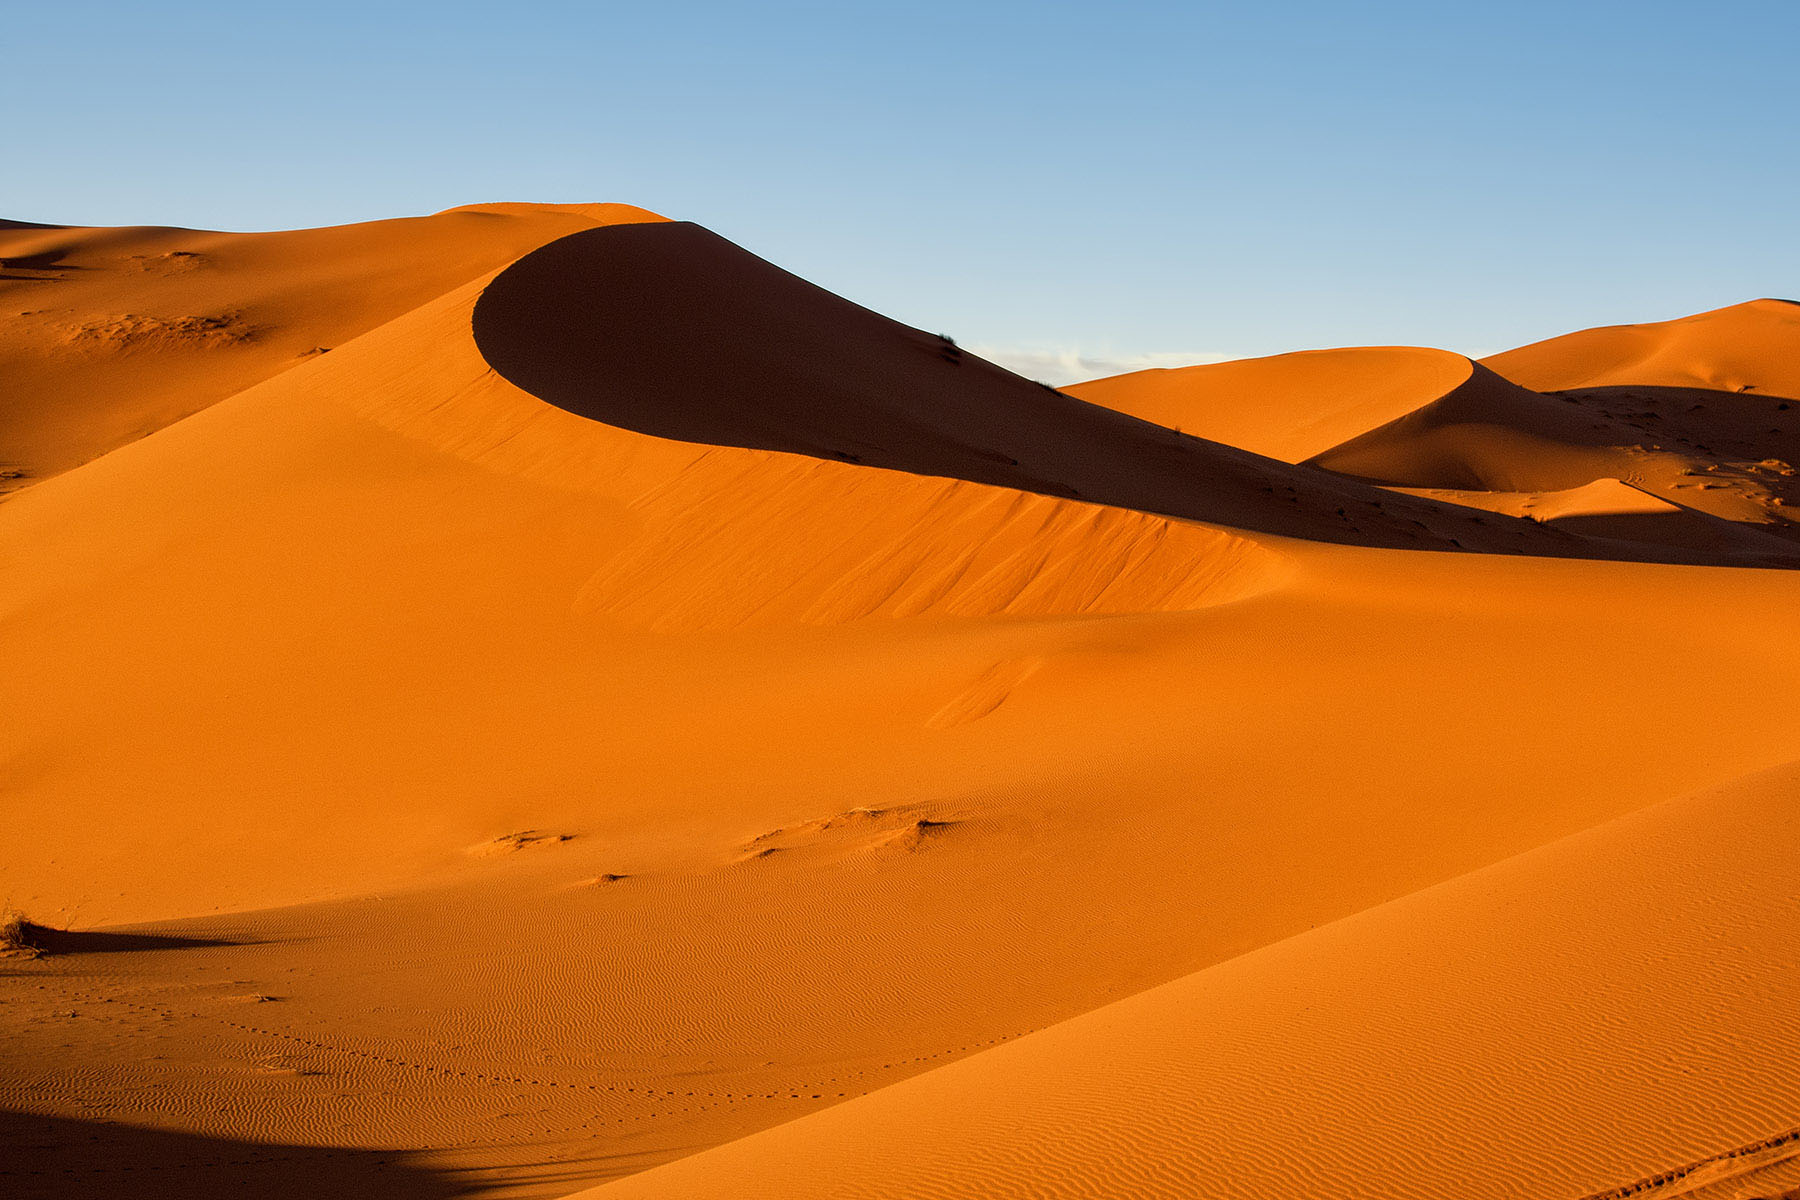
column 801, row 861
column 1632, row 514
column 1485, row 434
column 1743, row 348
column 109, row 334
column 1393, row 416
column 1611, row 1015
column 394, row 523
column 1632, row 406
column 396, row 505
column 1689, row 411
column 1700, row 451
column 1288, row 406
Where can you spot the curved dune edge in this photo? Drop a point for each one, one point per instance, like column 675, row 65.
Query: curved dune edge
column 1611, row 1014
column 1727, row 459
column 119, row 332
column 1632, row 513
column 720, row 538
column 1286, row 406
column 1486, row 433
column 1743, row 348
column 1393, row 416
column 1435, row 425
column 671, row 331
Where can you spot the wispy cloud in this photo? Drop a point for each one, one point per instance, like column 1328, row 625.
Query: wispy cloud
column 1066, row 364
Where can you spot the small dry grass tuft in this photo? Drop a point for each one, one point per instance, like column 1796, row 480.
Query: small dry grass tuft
column 18, row 937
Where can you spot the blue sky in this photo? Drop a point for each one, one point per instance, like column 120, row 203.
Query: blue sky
column 1102, row 183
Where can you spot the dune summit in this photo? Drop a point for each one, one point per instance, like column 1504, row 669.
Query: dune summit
column 537, row 701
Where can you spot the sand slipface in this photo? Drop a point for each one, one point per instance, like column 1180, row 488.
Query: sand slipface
column 600, row 715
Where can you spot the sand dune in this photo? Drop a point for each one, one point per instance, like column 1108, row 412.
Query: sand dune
column 1624, row 404
column 1393, row 416
column 111, row 334
column 1632, row 514
column 603, row 324
column 1746, row 348
column 630, row 702
column 1635, row 1037
column 1290, row 406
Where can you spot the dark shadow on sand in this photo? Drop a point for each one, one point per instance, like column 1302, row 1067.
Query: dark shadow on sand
column 104, row 941
column 56, row 1158
column 671, row 331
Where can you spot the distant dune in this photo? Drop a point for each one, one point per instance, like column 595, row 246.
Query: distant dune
column 537, row 700
column 1290, row 406
column 1744, row 348
column 145, row 326
column 1714, row 470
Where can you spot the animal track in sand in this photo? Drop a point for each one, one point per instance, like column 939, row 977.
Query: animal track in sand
column 1731, row 1171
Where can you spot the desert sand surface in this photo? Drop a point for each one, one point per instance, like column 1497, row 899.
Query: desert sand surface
column 118, row 332
column 625, row 721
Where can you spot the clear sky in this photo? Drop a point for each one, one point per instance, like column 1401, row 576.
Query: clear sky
column 1112, row 182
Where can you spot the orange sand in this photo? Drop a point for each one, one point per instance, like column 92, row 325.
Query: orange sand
column 630, row 711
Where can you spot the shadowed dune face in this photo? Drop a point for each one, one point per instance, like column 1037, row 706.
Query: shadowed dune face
column 1691, row 412
column 1711, row 469
column 669, row 330
column 680, row 334
column 672, row 331
column 1484, row 434
column 57, row 1158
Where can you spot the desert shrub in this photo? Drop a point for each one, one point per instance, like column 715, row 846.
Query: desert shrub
column 18, row 937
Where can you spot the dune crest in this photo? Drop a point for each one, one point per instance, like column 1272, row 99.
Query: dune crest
column 112, row 334
column 1628, row 404
column 671, row 331
column 1288, row 406
column 1742, row 348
